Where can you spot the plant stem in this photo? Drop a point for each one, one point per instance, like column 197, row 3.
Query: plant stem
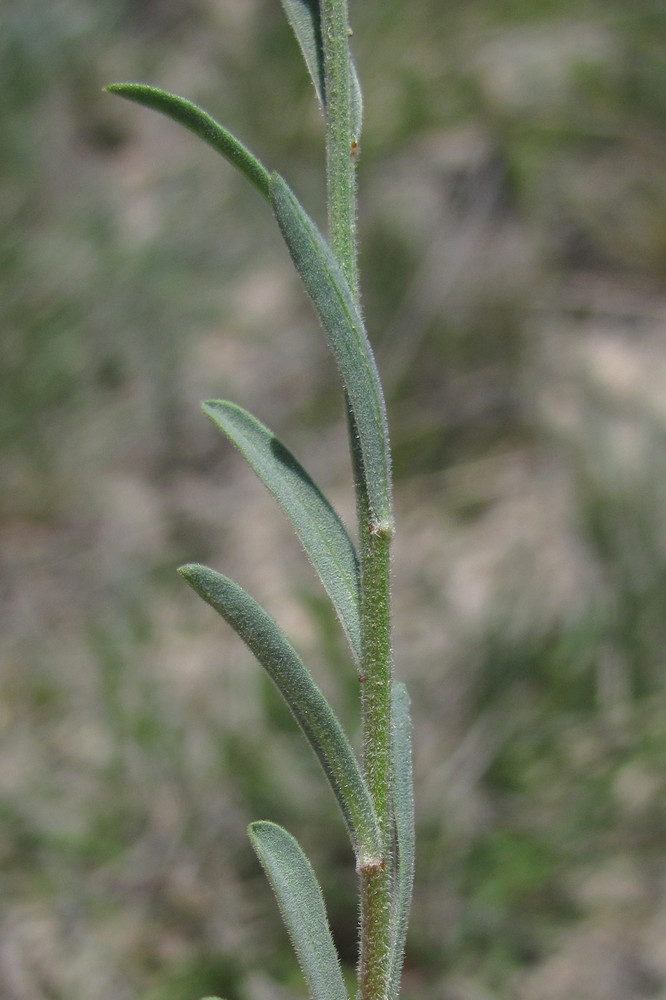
column 376, row 728
column 340, row 163
column 374, row 540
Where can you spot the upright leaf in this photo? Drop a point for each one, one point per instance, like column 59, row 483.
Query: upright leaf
column 201, row 123
column 303, row 16
column 305, row 20
column 302, row 906
column 319, row 528
column 355, row 102
column 309, row 706
column 403, row 814
column 333, row 300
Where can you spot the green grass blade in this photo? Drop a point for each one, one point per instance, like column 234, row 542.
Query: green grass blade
column 303, row 16
column 403, row 813
column 202, row 124
column 319, row 528
column 301, row 903
column 308, row 705
column 333, row 300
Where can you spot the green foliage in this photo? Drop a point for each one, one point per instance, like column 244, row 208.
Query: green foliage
column 403, row 798
column 332, row 298
column 124, row 271
column 302, row 904
column 305, row 19
column 376, row 800
column 318, row 527
column 306, row 701
column 199, row 122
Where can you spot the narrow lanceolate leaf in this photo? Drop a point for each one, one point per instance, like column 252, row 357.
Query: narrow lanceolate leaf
column 403, row 813
column 303, row 16
column 333, row 300
column 302, row 906
column 309, row 706
column 202, row 124
column 319, row 528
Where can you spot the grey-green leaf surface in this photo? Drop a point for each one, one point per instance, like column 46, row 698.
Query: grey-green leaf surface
column 333, row 300
column 355, row 102
column 319, row 528
column 202, row 124
column 312, row 712
column 403, row 813
column 301, row 903
column 304, row 18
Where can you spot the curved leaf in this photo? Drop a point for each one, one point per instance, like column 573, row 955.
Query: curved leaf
column 333, row 300
column 319, row 528
column 403, row 814
column 202, row 124
column 301, row 903
column 305, row 20
column 309, row 706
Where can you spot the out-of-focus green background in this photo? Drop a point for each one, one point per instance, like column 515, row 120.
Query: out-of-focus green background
column 513, row 229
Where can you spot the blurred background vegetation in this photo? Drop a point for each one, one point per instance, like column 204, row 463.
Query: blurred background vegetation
column 513, row 229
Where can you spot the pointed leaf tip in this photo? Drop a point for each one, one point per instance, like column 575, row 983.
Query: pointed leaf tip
column 318, row 527
column 305, row 20
column 310, row 708
column 202, row 124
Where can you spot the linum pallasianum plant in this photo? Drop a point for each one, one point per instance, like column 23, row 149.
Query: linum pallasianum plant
column 375, row 794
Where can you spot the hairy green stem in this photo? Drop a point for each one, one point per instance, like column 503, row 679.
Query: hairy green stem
column 376, row 727
column 341, row 156
column 377, row 799
column 373, row 975
column 376, row 664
